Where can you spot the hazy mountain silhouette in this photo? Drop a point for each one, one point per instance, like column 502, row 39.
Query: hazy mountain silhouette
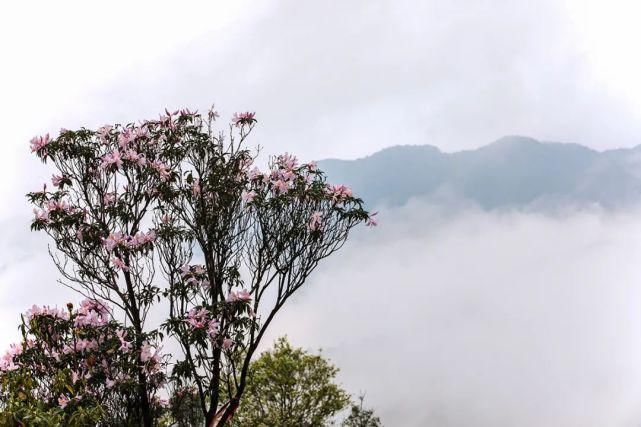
column 513, row 171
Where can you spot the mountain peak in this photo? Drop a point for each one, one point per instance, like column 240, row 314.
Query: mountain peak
column 511, row 171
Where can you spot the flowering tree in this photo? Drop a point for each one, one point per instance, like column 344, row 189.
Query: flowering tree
column 99, row 216
column 75, row 367
column 164, row 194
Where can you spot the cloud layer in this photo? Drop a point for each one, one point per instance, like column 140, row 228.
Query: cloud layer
column 484, row 319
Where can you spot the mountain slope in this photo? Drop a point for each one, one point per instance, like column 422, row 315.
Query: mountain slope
column 513, row 171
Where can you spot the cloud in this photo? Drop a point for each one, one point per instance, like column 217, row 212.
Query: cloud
column 450, row 315
column 485, row 319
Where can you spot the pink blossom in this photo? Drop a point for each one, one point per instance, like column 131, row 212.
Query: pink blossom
column 371, row 220
column 46, row 311
column 39, row 142
column 63, row 401
column 245, row 118
column 287, row 161
column 242, row 296
column 57, row 205
column 103, row 132
column 185, row 270
column 120, row 264
column 187, row 112
column 92, row 313
column 141, row 131
column 56, row 180
column 134, row 157
column 7, row 364
column 125, row 345
column 41, row 215
column 197, row 317
column 161, row 168
column 227, row 343
column 111, row 158
column 85, row 344
column 141, row 239
column 312, row 166
column 147, row 353
column 109, row 199
column 316, row 221
column 213, row 114
column 113, row 240
column 254, row 173
column 287, row 175
column 248, row 196
column 338, row 193
column 281, row 186
column 125, row 137
column 195, row 187
column 212, row 328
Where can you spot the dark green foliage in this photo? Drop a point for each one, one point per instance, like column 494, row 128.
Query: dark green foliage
column 290, row 387
column 361, row 417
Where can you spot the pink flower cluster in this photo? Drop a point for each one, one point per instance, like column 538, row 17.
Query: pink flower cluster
column 240, row 296
column 92, row 313
column 50, row 207
column 248, row 196
column 7, row 362
column 39, row 142
column 194, row 275
column 316, row 221
column 103, row 132
column 372, row 221
column 109, row 199
column 287, row 161
column 199, row 318
column 57, row 180
column 245, row 118
column 54, row 312
column 119, row 239
column 111, row 158
column 161, row 168
column 282, row 176
column 339, row 193
column 83, row 345
column 125, row 346
column 150, row 356
column 134, row 157
column 119, row 264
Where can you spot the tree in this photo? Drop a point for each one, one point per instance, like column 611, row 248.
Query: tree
column 159, row 196
column 184, row 407
column 96, row 215
column 290, row 387
column 74, row 367
column 361, row 417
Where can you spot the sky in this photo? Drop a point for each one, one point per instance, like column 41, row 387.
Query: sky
column 514, row 333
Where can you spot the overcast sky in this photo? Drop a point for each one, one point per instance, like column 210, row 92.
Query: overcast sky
column 331, row 78
column 344, row 79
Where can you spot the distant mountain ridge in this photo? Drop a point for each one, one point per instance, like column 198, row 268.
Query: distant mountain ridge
column 512, row 171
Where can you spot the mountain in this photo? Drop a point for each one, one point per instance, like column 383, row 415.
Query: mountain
column 512, row 171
